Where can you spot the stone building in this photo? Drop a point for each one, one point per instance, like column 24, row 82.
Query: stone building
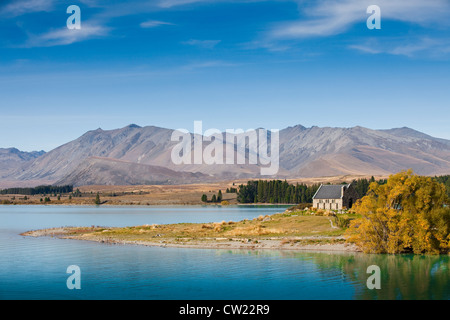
column 335, row 197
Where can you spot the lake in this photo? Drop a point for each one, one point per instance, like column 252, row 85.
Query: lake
column 35, row 268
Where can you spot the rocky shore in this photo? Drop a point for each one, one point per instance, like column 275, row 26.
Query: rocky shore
column 309, row 243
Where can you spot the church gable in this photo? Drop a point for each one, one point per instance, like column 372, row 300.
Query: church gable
column 335, row 197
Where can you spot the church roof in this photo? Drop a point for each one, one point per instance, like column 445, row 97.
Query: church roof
column 330, row 191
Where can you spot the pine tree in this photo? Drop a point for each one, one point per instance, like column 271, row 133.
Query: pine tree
column 97, row 199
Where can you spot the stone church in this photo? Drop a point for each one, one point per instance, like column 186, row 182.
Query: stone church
column 335, row 197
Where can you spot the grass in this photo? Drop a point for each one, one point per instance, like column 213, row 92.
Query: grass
column 279, row 226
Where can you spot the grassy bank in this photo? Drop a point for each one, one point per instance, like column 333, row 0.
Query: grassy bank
column 287, row 230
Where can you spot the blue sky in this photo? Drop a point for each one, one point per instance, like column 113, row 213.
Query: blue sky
column 231, row 64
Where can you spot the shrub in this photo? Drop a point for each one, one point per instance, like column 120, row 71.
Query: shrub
column 407, row 214
column 342, row 222
column 320, row 212
column 300, row 207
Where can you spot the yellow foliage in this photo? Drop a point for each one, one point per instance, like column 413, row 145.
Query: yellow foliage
column 320, row 212
column 408, row 214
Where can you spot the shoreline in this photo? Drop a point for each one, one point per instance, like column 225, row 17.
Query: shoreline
column 307, row 243
column 282, row 206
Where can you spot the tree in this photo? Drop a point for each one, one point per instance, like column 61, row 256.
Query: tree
column 204, row 198
column 219, row 196
column 97, row 199
column 213, row 199
column 407, row 214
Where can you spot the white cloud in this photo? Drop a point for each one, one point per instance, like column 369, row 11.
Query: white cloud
column 415, row 47
column 208, row 64
column 327, row 18
column 20, row 7
column 206, row 44
column 173, row 3
column 64, row 36
column 365, row 48
column 154, row 23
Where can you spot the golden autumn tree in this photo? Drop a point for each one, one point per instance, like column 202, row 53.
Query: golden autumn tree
column 407, row 214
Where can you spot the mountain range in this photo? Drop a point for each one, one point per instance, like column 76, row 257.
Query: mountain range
column 142, row 155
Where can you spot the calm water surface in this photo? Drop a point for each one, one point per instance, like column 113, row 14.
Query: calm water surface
column 35, row 268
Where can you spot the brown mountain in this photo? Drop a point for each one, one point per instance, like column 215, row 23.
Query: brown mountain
column 134, row 155
column 313, row 152
column 106, row 171
column 12, row 159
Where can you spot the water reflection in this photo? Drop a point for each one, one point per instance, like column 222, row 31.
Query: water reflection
column 35, row 268
column 409, row 277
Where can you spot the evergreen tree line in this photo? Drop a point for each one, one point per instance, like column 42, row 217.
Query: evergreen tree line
column 446, row 181
column 214, row 198
column 362, row 185
column 275, row 191
column 38, row 190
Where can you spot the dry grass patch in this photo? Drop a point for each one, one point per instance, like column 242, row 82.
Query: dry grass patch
column 276, row 226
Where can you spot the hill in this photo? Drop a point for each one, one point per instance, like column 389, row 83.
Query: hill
column 142, row 155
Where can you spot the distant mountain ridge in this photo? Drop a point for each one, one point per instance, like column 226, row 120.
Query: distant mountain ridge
column 106, row 171
column 140, row 155
column 12, row 158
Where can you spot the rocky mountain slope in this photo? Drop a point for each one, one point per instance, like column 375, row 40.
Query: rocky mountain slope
column 105, row 171
column 134, row 155
column 12, row 159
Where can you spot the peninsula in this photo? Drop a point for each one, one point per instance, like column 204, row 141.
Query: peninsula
column 290, row 230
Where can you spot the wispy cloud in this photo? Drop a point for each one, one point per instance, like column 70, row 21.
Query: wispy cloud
column 20, row 7
column 327, row 18
column 154, row 23
column 271, row 46
column 366, row 48
column 208, row 64
column 422, row 46
column 173, row 3
column 99, row 19
column 65, row 36
column 106, row 12
column 205, row 44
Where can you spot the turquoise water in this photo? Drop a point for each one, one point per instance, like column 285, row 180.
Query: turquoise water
column 35, row 268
